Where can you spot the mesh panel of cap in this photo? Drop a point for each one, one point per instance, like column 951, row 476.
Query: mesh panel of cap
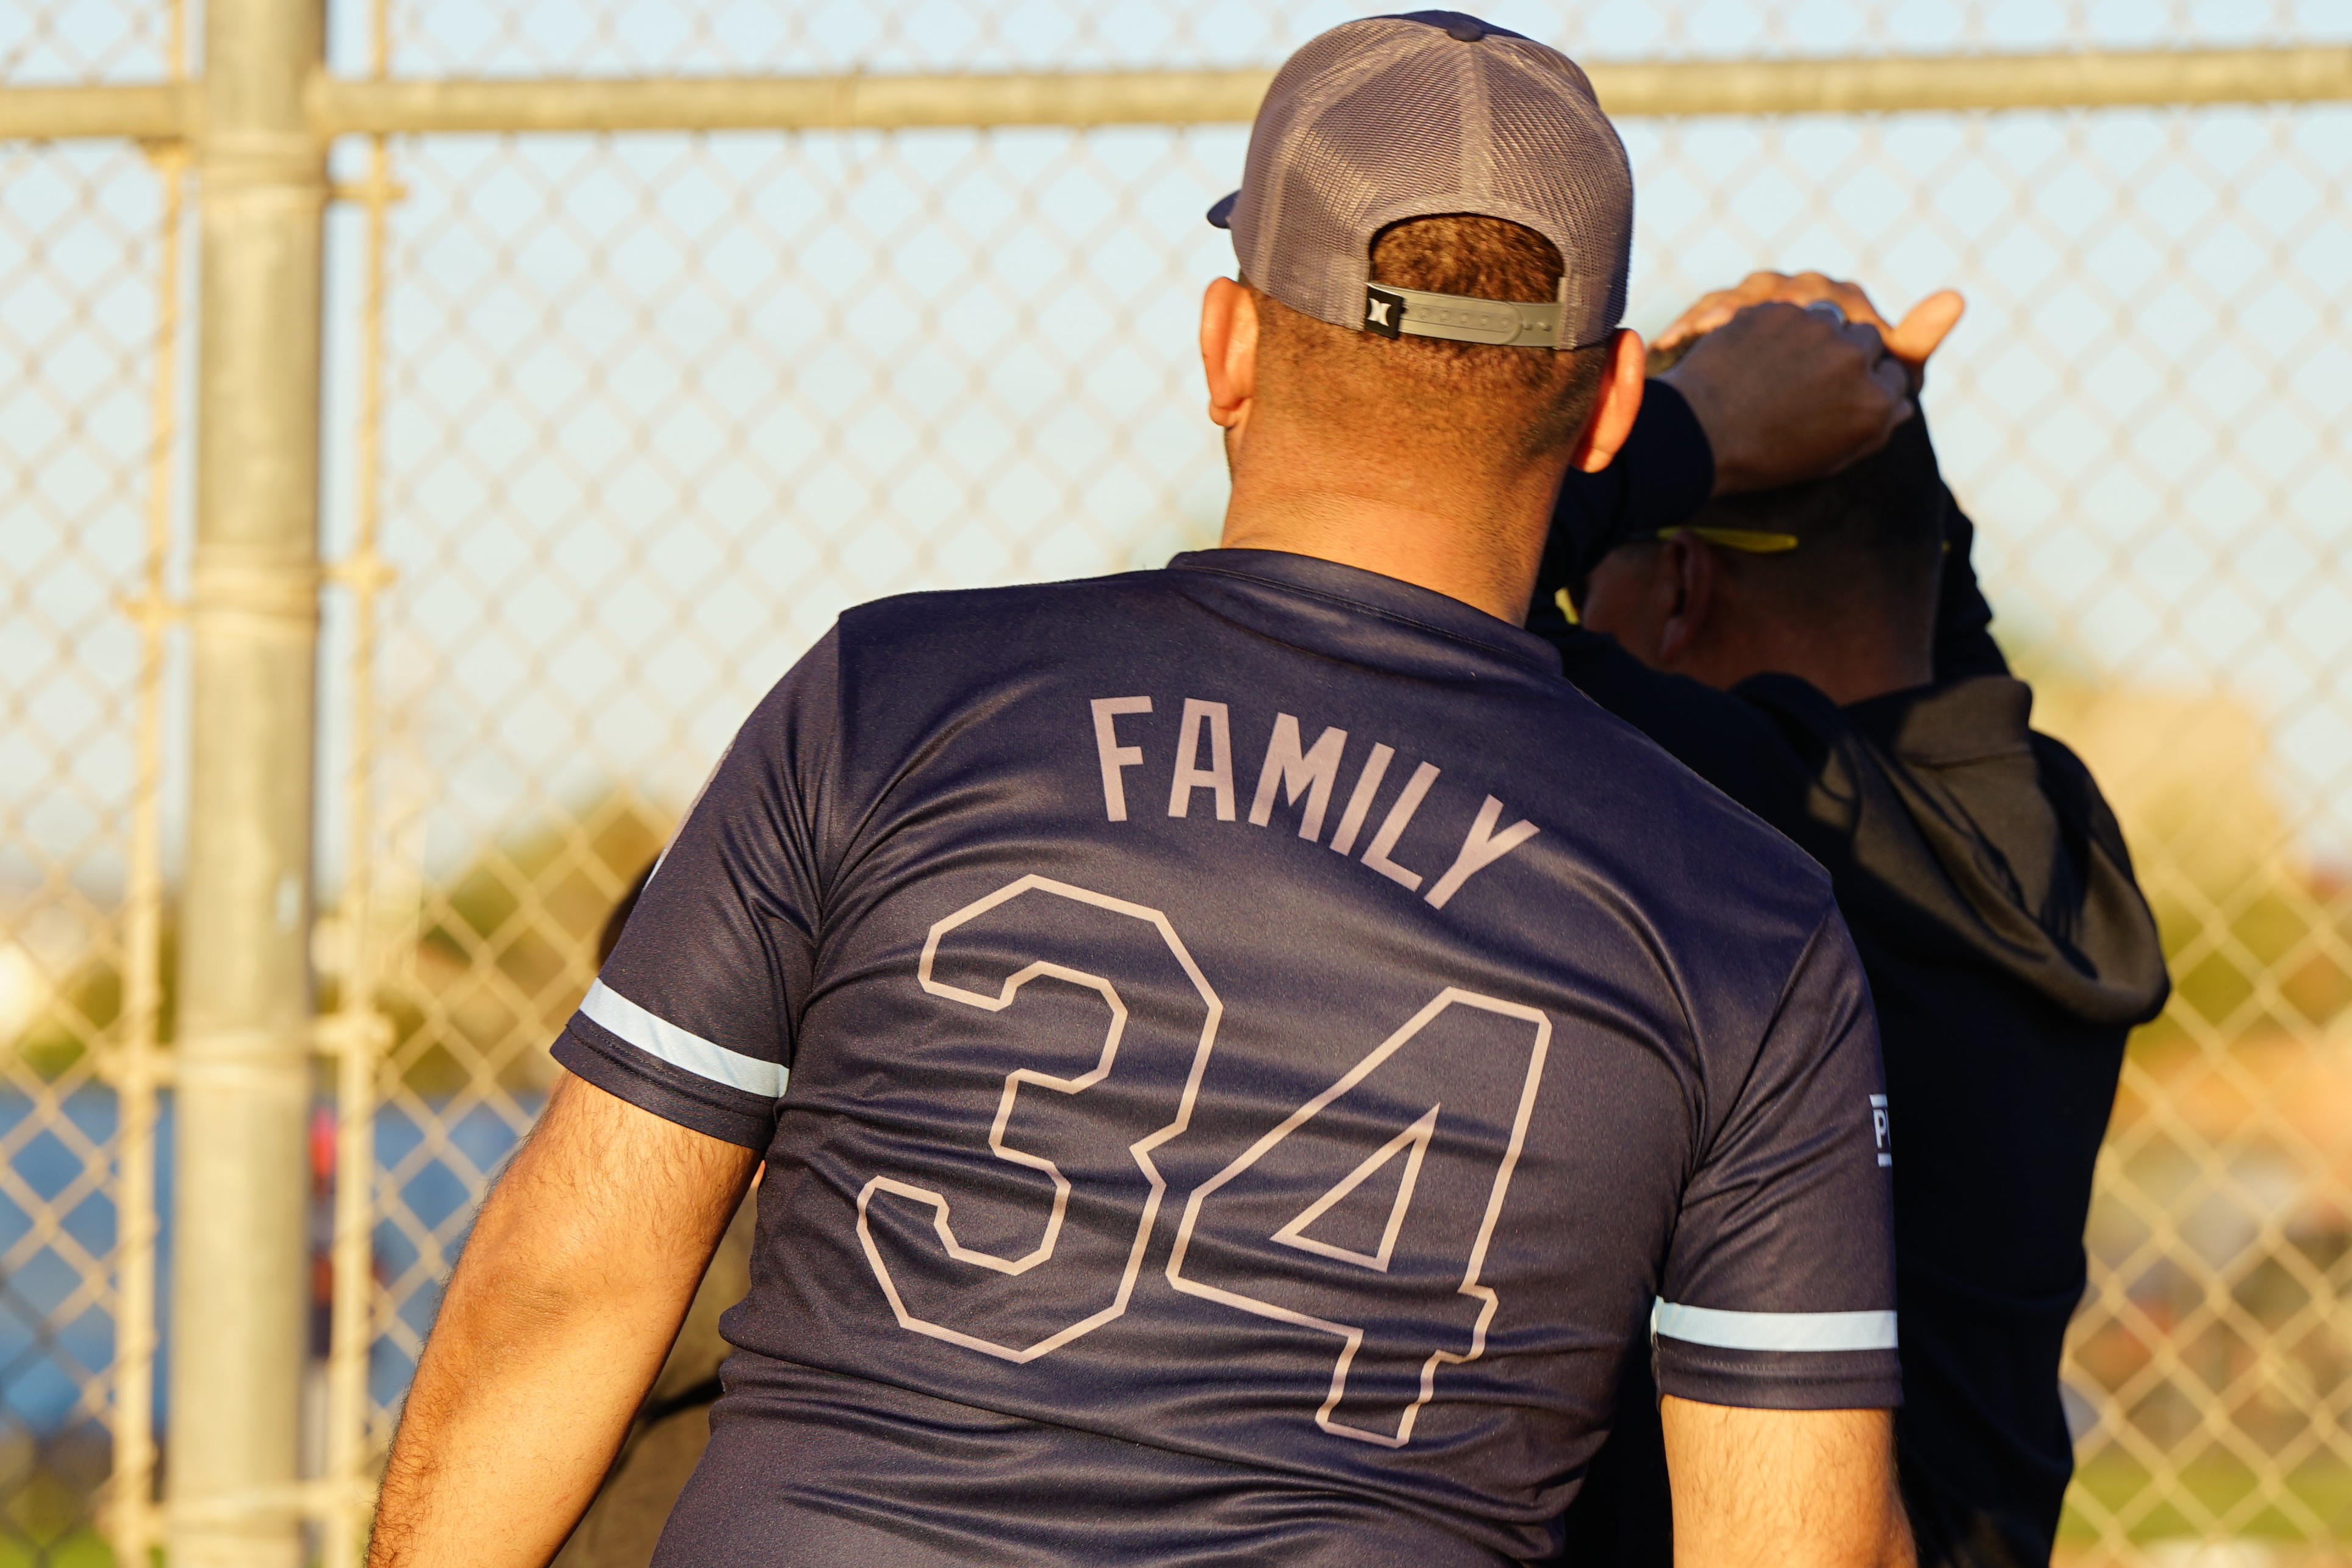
column 1391, row 117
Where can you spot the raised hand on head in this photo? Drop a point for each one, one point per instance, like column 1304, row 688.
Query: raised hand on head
column 1786, row 394
column 1910, row 341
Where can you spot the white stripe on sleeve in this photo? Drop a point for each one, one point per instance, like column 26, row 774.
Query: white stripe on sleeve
column 1774, row 1331
column 659, row 1037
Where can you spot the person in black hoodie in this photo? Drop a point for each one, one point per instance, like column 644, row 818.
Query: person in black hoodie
column 1822, row 654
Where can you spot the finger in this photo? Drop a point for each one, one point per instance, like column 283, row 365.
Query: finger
column 1926, row 327
column 1865, row 336
column 1693, row 324
column 1680, row 326
column 1893, row 411
column 1714, row 307
column 1758, row 287
column 1708, row 312
column 1851, row 299
column 1893, row 379
column 1808, row 287
column 1753, row 289
column 1800, row 290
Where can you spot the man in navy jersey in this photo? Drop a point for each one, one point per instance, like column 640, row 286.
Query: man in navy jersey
column 1261, row 1046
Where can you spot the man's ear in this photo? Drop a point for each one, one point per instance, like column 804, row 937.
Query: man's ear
column 1620, row 400
column 1229, row 353
column 1690, row 567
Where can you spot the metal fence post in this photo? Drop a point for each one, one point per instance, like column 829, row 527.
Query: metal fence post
column 238, row 1324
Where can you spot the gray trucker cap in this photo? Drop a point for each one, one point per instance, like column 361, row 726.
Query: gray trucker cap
column 1414, row 116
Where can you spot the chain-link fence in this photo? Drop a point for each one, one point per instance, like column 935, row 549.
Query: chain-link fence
column 615, row 425
column 88, row 319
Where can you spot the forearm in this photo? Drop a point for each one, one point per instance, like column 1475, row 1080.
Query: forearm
column 1784, row 1488
column 554, row 1326
column 512, row 1404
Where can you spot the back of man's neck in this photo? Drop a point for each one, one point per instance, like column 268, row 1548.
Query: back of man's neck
column 1478, row 543
column 1848, row 669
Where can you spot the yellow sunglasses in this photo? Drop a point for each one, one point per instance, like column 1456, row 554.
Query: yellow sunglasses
column 1752, row 541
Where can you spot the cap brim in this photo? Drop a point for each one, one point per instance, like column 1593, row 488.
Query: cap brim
column 1222, row 214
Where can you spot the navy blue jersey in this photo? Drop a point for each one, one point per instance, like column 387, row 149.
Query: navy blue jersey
column 1261, row 1046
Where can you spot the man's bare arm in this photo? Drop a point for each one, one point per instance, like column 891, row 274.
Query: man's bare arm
column 1784, row 1488
column 555, row 1322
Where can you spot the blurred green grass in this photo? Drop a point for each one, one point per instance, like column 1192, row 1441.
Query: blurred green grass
column 2208, row 1490
column 78, row 1549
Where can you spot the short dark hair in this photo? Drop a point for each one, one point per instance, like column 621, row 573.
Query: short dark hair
column 1876, row 527
column 1870, row 534
column 1478, row 391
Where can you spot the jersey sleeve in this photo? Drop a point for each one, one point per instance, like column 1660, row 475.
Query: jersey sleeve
column 692, row 1016
column 1779, row 1290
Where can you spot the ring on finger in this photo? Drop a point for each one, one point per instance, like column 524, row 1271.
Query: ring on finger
column 1828, row 307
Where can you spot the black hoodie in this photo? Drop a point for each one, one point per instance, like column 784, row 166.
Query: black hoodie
column 2009, row 952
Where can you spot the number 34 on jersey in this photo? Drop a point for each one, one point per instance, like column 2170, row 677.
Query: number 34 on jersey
column 1364, row 1213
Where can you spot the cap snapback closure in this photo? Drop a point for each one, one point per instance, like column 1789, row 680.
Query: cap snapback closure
column 1397, row 312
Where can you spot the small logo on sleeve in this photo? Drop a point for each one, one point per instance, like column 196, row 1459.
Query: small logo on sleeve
column 1878, row 1130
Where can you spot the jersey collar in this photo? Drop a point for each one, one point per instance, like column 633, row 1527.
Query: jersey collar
column 1388, row 597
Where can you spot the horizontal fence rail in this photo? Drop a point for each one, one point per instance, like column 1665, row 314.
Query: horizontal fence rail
column 353, row 106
